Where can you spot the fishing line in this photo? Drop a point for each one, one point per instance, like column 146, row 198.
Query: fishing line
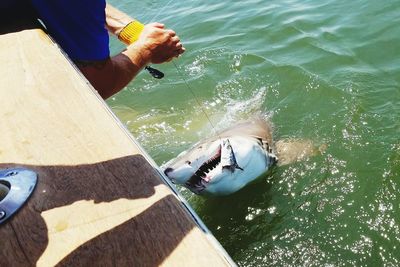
column 151, row 70
column 194, row 96
column 160, row 10
column 155, row 72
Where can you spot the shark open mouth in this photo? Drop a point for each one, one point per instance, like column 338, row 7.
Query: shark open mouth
column 197, row 182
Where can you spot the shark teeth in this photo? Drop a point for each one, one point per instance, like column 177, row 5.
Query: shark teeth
column 207, row 166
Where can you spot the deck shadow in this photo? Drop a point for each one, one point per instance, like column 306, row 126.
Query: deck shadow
column 147, row 239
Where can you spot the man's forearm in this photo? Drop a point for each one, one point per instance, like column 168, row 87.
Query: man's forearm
column 116, row 20
column 115, row 73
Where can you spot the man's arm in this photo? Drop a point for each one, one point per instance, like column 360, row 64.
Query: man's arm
column 155, row 45
column 116, row 20
column 154, row 36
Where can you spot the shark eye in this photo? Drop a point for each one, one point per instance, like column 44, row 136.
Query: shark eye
column 188, row 162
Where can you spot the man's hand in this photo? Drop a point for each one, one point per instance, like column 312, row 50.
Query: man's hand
column 157, row 44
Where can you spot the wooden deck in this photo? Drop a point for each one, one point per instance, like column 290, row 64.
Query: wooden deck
column 99, row 201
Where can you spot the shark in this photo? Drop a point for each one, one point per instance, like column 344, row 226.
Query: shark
column 233, row 158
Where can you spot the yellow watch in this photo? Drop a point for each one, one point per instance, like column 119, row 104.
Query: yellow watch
column 131, row 32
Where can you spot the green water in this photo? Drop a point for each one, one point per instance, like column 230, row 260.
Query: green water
column 323, row 70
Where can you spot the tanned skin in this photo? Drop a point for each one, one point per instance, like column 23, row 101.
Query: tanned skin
column 156, row 45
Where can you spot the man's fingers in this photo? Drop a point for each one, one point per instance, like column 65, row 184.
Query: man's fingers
column 171, row 33
column 179, row 45
column 157, row 25
column 162, row 44
column 180, row 51
column 175, row 40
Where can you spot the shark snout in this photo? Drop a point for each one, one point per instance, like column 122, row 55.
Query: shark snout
column 168, row 170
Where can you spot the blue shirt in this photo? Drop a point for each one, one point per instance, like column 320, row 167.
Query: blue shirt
column 78, row 26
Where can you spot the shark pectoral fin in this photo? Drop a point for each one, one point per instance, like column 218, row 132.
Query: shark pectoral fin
column 293, row 150
column 228, row 159
column 238, row 167
column 232, row 168
column 229, row 168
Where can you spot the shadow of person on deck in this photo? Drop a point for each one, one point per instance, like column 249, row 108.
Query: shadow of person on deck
column 146, row 239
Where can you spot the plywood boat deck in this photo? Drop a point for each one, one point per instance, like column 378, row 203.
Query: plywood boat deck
column 100, row 201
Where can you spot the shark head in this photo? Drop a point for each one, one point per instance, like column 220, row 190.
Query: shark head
column 220, row 166
column 238, row 155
